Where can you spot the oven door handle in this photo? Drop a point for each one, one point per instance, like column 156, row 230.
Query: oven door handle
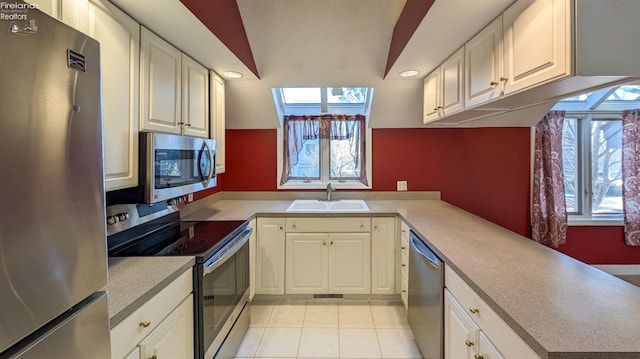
column 238, row 241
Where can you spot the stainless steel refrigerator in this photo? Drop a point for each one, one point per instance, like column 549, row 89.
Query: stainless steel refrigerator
column 52, row 216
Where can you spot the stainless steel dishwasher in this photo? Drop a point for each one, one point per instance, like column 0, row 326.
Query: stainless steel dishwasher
column 426, row 287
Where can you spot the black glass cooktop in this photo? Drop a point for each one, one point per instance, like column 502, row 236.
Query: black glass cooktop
column 167, row 236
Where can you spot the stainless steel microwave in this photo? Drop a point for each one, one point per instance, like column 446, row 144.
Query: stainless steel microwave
column 174, row 165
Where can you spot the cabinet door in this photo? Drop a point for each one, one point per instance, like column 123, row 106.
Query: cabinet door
column 218, row 118
column 270, row 256
column 537, row 43
column 460, row 333
column 252, row 259
column 173, row 338
column 452, row 84
column 349, row 263
column 306, row 263
column 161, row 84
column 195, row 98
column 483, row 65
column 134, row 354
column 486, row 349
column 383, row 244
column 52, row 8
column 119, row 37
column 431, row 105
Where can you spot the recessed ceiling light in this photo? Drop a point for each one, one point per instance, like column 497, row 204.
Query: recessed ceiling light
column 232, row 74
column 409, row 73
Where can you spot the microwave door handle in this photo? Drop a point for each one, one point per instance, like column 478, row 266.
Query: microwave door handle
column 205, row 147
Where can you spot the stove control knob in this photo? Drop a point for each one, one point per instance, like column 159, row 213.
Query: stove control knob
column 112, row 220
column 123, row 216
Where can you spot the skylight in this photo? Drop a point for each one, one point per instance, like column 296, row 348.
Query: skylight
column 320, row 100
column 616, row 98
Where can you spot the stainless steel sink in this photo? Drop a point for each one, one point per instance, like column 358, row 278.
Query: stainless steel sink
column 314, row 205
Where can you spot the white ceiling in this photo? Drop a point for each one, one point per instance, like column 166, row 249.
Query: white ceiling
column 322, row 43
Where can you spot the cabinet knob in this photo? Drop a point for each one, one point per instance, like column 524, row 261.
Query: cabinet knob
column 493, row 83
column 281, row 228
column 474, row 310
column 362, row 226
column 293, row 226
column 324, row 243
column 468, row 343
column 375, row 228
column 504, row 79
column 403, row 247
column 331, row 243
column 403, row 265
column 404, row 291
column 188, row 124
column 154, row 357
column 403, row 231
column 478, row 356
column 435, row 108
column 145, row 324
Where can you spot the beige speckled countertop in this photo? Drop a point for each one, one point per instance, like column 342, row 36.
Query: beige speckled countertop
column 135, row 280
column 561, row 307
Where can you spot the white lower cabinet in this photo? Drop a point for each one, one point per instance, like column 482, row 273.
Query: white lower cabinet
column 473, row 330
column 383, row 258
column 403, row 269
column 162, row 327
column 173, row 338
column 269, row 271
column 328, row 255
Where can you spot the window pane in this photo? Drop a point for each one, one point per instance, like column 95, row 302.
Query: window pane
column 344, row 154
column 356, row 95
column 308, row 166
column 292, row 95
column 606, row 167
column 570, row 167
column 625, row 93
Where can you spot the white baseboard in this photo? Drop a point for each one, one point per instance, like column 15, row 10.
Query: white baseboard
column 620, row 269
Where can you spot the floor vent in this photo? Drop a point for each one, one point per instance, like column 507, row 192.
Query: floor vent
column 328, row 296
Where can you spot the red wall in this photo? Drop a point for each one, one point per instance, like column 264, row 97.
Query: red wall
column 483, row 170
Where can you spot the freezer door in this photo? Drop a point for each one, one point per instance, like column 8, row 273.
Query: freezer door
column 52, row 221
column 82, row 333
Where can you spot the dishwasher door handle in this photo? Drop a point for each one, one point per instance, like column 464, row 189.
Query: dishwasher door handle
column 425, row 252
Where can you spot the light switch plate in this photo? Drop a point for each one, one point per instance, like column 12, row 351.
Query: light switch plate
column 190, row 197
column 401, row 185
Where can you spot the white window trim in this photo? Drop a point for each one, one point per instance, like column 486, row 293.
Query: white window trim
column 308, row 109
column 322, row 183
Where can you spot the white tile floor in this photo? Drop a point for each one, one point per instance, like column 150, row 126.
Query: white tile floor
column 328, row 329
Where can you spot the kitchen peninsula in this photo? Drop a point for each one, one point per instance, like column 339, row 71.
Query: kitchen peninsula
column 560, row 307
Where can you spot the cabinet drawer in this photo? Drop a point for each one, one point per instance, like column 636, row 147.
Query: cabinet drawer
column 509, row 343
column 328, row 225
column 126, row 335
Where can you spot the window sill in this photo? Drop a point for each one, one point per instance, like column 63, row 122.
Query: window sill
column 611, row 220
column 292, row 185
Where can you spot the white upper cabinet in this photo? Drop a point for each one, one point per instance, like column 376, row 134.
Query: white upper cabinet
column 161, row 84
column 71, row 12
column 431, row 96
column 537, row 43
column 483, row 65
column 195, row 98
column 443, row 88
column 119, row 37
column 218, row 125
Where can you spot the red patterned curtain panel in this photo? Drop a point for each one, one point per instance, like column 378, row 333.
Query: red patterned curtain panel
column 298, row 129
column 631, row 176
column 549, row 213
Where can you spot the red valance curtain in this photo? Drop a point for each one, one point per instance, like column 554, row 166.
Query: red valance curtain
column 549, row 212
column 631, row 176
column 298, row 129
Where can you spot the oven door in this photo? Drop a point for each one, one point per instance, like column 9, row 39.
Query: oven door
column 177, row 165
column 225, row 288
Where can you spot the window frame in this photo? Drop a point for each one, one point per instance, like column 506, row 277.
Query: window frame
column 585, row 215
column 323, row 108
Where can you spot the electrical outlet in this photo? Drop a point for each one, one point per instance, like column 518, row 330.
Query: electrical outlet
column 401, row 185
column 190, row 197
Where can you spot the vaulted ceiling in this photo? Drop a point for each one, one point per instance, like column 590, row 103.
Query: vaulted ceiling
column 277, row 43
